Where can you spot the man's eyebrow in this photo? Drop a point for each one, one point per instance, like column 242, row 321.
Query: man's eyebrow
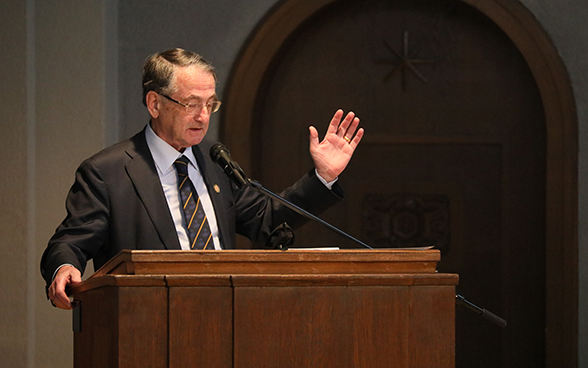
column 198, row 98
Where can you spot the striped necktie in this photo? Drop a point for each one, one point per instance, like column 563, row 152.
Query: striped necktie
column 196, row 222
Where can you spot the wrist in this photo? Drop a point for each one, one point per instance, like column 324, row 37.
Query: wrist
column 327, row 181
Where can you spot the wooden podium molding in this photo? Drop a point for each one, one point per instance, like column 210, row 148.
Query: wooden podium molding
column 258, row 308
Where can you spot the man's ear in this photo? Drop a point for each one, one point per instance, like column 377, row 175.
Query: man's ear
column 153, row 104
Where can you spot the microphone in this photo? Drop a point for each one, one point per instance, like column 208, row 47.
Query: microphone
column 221, row 155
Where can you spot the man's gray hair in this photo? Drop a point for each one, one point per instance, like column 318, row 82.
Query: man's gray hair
column 158, row 70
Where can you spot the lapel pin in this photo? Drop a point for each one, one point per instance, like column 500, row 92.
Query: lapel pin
column 216, row 188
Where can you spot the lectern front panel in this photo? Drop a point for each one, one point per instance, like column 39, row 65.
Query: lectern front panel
column 343, row 321
column 200, row 322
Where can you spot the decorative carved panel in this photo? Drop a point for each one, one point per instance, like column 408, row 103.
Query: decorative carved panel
column 406, row 220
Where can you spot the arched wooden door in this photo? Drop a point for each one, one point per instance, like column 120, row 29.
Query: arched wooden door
column 455, row 153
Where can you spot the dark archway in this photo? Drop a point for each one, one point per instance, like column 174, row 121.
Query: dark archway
column 561, row 245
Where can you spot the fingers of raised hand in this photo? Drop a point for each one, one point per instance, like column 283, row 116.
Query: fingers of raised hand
column 334, row 124
column 348, row 127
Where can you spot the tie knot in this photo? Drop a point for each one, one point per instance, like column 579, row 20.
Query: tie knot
column 181, row 165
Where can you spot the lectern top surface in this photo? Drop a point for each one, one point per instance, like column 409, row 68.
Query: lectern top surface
column 293, row 261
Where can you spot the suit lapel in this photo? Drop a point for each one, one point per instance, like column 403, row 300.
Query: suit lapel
column 142, row 172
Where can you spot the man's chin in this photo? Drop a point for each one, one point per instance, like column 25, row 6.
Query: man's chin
column 195, row 136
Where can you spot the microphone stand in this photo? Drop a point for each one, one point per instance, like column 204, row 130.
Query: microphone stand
column 460, row 300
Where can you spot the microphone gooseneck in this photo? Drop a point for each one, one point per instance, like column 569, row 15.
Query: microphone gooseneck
column 221, row 155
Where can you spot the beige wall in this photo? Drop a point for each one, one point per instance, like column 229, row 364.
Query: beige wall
column 69, row 101
column 52, row 103
column 13, row 197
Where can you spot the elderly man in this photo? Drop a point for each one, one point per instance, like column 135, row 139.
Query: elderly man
column 161, row 190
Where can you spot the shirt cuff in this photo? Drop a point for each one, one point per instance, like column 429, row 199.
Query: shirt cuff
column 330, row 184
column 58, row 268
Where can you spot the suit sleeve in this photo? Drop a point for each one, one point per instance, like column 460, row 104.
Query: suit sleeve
column 84, row 230
column 258, row 215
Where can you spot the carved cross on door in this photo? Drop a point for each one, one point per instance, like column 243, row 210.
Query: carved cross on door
column 404, row 63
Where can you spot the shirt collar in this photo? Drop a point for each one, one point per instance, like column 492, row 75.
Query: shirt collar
column 163, row 154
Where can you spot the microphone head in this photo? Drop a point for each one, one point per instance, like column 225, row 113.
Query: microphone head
column 216, row 150
column 221, row 156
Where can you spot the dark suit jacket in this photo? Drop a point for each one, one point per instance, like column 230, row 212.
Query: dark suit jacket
column 117, row 202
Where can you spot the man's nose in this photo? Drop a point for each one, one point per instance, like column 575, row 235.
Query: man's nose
column 202, row 115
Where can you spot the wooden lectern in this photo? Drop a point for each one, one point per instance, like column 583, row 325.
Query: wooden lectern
column 275, row 309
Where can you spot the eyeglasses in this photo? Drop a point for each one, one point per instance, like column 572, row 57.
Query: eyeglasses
column 193, row 108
